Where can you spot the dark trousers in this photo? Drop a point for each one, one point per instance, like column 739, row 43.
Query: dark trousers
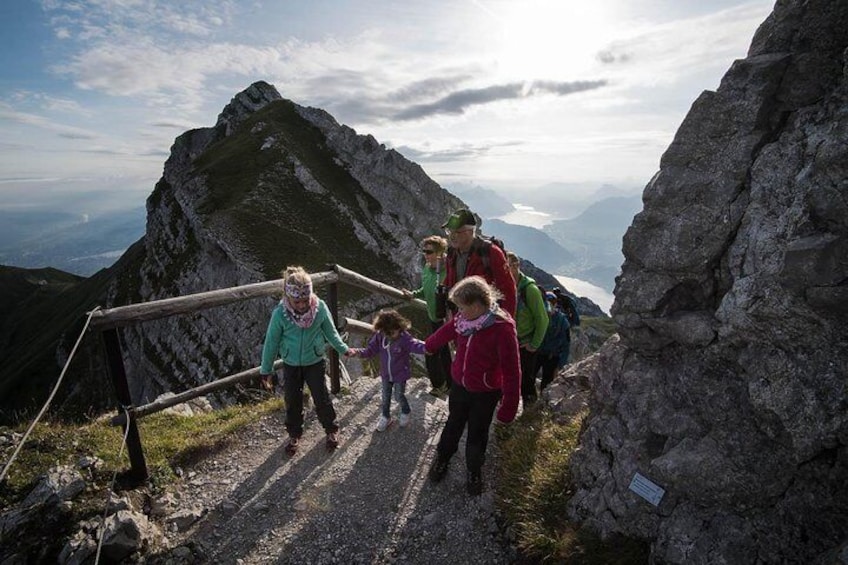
column 293, row 381
column 438, row 364
column 474, row 410
column 528, row 373
column 548, row 364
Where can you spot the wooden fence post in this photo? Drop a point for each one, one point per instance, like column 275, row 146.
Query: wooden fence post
column 333, row 305
column 115, row 362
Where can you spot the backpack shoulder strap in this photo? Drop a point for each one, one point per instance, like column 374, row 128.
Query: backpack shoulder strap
column 482, row 247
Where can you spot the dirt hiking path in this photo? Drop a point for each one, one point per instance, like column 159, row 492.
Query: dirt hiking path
column 367, row 502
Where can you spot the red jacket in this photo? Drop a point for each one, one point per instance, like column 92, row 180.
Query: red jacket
column 485, row 361
column 500, row 276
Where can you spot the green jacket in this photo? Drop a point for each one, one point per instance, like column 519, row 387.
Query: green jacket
column 531, row 318
column 299, row 346
column 427, row 292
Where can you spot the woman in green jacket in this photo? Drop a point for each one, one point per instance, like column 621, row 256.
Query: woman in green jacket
column 432, row 276
column 298, row 333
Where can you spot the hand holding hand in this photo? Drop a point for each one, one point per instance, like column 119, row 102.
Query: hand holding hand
column 266, row 382
column 352, row 352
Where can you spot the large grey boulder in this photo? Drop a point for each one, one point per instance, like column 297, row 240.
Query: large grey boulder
column 728, row 387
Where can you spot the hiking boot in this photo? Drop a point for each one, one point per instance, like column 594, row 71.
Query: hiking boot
column 404, row 420
column 383, row 423
column 474, row 483
column 438, row 469
column 332, row 440
column 291, row 446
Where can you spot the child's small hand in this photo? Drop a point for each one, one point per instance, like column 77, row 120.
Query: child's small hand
column 352, row 352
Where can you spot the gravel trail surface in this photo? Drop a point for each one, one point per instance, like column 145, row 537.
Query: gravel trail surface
column 367, row 502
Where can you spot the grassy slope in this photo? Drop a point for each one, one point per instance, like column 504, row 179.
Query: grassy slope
column 257, row 193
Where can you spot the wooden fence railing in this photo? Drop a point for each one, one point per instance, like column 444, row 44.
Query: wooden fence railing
column 107, row 321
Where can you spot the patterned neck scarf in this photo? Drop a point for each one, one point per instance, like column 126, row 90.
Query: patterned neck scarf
column 301, row 319
column 470, row 327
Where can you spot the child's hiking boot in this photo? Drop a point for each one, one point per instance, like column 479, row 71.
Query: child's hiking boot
column 332, row 441
column 404, row 420
column 438, row 469
column 291, row 446
column 383, row 423
column 474, row 483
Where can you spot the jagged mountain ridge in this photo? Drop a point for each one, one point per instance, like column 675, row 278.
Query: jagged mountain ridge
column 271, row 184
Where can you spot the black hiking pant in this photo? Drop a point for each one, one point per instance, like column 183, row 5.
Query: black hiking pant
column 294, row 378
column 548, row 363
column 528, row 360
column 439, row 363
column 474, row 410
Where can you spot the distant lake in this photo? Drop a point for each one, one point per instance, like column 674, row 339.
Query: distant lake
column 527, row 216
column 596, row 294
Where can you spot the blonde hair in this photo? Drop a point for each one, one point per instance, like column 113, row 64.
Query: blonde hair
column 512, row 258
column 440, row 244
column 475, row 289
column 295, row 274
column 387, row 321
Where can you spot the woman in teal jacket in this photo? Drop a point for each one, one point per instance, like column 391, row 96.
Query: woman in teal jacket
column 298, row 333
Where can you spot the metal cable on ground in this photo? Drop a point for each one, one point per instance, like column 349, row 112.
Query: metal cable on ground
column 49, row 399
column 112, row 488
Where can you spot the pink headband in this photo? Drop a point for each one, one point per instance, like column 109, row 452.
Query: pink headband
column 296, row 291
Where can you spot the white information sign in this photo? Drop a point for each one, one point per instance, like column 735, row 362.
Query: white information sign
column 647, row 489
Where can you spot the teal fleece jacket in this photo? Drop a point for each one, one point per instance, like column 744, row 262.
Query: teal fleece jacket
column 427, row 292
column 298, row 346
column 531, row 318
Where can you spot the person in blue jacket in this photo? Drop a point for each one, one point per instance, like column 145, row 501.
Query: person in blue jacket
column 298, row 333
column 394, row 344
column 555, row 348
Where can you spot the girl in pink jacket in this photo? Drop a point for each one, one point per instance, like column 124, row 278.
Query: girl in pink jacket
column 485, row 371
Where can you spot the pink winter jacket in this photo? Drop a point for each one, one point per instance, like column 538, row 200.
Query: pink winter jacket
column 485, row 361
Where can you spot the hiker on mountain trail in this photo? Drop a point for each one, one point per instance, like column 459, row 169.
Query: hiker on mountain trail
column 485, row 372
column 431, row 289
column 393, row 342
column 298, row 333
column 470, row 254
column 531, row 323
column 555, row 348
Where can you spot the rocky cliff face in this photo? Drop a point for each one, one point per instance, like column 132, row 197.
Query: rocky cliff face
column 271, row 184
column 728, row 386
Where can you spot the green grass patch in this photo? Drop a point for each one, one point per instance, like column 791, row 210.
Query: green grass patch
column 168, row 441
column 534, row 487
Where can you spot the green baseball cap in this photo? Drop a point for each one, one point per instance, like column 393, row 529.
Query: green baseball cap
column 460, row 218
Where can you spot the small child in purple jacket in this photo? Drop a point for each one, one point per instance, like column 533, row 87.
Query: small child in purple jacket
column 394, row 344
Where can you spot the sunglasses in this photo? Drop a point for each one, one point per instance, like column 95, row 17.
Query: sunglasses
column 428, row 251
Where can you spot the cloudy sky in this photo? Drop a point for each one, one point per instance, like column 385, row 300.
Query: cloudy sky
column 507, row 94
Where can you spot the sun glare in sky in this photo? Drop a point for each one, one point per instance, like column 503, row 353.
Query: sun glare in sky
column 550, row 39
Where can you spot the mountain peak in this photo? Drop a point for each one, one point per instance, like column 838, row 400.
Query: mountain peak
column 253, row 98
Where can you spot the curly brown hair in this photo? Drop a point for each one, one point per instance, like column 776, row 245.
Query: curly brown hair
column 387, row 321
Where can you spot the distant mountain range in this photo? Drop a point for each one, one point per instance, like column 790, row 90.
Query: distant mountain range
column 594, row 239
column 586, row 246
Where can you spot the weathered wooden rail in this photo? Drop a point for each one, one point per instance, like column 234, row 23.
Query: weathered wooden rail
column 107, row 322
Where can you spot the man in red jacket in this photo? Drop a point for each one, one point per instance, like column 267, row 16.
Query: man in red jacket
column 472, row 255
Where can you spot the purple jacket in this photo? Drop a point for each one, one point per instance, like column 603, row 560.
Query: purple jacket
column 394, row 355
